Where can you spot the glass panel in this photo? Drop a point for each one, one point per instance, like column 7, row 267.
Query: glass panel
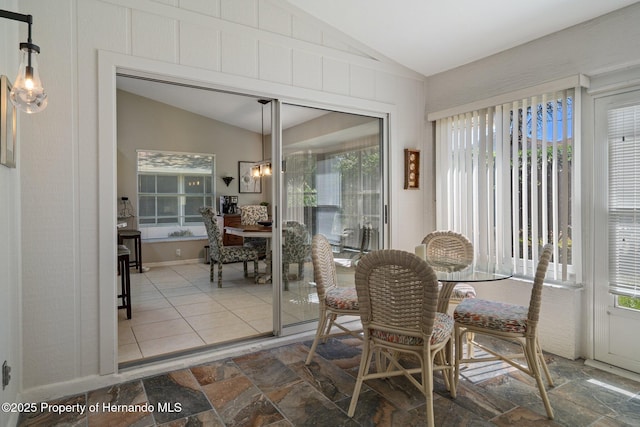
column 167, row 184
column 192, row 206
column 194, row 184
column 146, row 184
column 332, row 185
column 168, row 206
column 147, row 206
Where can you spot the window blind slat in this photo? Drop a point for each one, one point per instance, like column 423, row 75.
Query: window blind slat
column 624, row 201
column 511, row 170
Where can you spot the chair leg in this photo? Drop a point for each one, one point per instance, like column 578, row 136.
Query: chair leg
column 255, row 268
column 364, row 368
column 321, row 325
column 301, row 270
column 458, row 333
column 427, row 388
column 211, row 265
column 543, row 363
column 219, row 274
column 246, row 271
column 531, row 354
column 285, row 275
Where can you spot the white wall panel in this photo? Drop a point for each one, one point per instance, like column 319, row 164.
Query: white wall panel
column 199, row 46
column 239, row 55
column 240, row 11
column 302, row 30
column 362, row 82
column 275, row 63
column 335, row 76
column 64, row 155
column 386, row 86
column 307, row 69
column 206, row 7
column 272, row 18
column 154, row 37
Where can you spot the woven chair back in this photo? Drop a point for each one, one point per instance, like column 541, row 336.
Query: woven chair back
column 397, row 292
column 448, row 250
column 324, row 269
column 538, row 282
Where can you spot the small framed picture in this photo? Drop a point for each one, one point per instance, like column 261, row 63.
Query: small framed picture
column 246, row 181
column 411, row 169
column 8, row 126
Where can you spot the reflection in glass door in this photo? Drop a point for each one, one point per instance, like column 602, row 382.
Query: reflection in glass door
column 332, row 185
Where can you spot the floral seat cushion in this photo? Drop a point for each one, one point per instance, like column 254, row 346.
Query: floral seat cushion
column 493, row 315
column 462, row 291
column 442, row 329
column 342, row 298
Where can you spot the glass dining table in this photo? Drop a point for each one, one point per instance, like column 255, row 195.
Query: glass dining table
column 474, row 273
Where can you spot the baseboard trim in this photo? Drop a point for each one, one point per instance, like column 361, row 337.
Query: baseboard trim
column 612, row 369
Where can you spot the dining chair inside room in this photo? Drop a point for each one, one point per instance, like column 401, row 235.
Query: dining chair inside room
column 295, row 249
column 334, row 301
column 221, row 254
column 251, row 215
column 451, row 251
column 511, row 322
column 398, row 298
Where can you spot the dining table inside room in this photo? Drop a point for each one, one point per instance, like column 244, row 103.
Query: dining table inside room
column 255, row 231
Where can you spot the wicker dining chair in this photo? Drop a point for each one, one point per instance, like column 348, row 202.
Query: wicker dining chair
column 334, row 301
column 219, row 253
column 451, row 251
column 398, row 296
column 512, row 322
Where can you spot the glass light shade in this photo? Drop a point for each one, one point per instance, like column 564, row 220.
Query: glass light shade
column 27, row 93
column 265, row 169
column 255, row 171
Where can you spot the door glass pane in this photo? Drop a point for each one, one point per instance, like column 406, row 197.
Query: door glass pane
column 332, row 185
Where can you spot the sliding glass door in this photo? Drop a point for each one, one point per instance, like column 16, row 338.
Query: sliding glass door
column 331, row 184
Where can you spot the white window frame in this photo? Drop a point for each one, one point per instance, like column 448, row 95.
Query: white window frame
column 160, row 231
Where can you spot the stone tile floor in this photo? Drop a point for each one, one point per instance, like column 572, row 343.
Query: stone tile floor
column 274, row 388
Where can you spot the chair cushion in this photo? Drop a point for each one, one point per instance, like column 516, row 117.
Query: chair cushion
column 342, row 299
column 237, row 253
column 442, row 328
column 493, row 315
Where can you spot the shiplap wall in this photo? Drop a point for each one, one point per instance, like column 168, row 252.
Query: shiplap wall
column 261, row 45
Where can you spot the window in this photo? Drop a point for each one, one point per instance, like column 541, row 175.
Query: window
column 505, row 180
column 171, row 189
column 624, row 204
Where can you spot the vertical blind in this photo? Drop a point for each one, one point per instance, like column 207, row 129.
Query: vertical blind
column 505, row 180
column 624, row 200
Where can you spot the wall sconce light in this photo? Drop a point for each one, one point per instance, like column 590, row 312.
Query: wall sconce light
column 27, row 93
column 227, row 179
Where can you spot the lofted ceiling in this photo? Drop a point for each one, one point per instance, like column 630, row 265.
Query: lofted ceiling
column 431, row 36
column 427, row 36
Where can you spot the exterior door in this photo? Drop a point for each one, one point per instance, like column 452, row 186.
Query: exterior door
column 617, row 228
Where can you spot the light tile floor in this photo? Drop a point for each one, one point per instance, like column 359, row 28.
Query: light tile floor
column 176, row 308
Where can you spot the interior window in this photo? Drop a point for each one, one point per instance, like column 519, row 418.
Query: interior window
column 171, row 189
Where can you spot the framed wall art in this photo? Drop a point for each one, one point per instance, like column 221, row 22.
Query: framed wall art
column 8, row 126
column 411, row 169
column 246, row 181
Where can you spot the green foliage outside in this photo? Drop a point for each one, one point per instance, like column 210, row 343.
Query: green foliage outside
column 629, row 302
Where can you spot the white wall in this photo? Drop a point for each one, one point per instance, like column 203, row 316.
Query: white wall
column 251, row 45
column 595, row 48
column 10, row 253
